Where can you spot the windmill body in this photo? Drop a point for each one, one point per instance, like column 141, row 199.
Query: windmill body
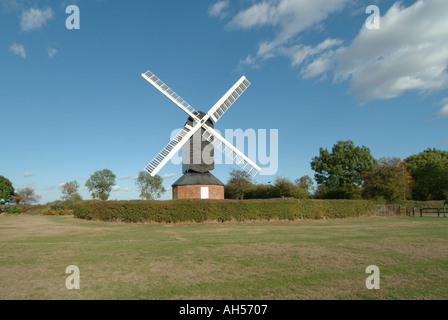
column 198, row 153
column 197, row 139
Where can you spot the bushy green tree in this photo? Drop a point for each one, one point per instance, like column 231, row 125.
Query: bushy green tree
column 238, row 185
column 429, row 170
column 339, row 173
column 390, row 181
column 283, row 187
column 100, row 184
column 260, row 191
column 150, row 187
column 6, row 190
column 306, row 183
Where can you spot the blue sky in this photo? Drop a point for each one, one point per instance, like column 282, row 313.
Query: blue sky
column 73, row 101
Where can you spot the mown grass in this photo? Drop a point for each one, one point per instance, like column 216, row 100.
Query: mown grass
column 323, row 259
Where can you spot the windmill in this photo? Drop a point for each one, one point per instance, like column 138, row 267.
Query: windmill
column 197, row 181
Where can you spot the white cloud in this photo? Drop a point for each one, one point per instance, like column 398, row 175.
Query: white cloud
column 219, row 9
column 18, row 49
column 168, row 175
column 28, row 174
column 443, row 112
column 51, row 52
column 257, row 14
column 9, row 5
column 288, row 18
column 35, row 18
column 117, row 188
column 317, row 60
column 409, row 52
column 250, row 61
column 318, row 66
column 128, row 177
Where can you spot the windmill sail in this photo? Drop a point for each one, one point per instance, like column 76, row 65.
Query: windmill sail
column 223, row 104
column 216, row 112
column 170, row 94
column 230, row 151
column 171, row 149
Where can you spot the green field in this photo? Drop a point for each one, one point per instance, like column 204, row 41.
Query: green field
column 316, row 259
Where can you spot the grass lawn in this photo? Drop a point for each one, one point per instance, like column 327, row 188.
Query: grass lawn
column 323, row 259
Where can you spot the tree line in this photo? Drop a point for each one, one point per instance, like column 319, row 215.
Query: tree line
column 351, row 172
column 99, row 184
column 344, row 172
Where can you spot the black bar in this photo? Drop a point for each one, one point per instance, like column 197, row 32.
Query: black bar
column 230, row 309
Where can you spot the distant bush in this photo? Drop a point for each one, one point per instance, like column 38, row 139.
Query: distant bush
column 58, row 212
column 21, row 208
column 13, row 209
column 220, row 210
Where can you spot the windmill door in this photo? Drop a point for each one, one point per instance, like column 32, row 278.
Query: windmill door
column 204, row 192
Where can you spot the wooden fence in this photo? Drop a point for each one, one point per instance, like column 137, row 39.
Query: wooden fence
column 384, row 210
column 429, row 212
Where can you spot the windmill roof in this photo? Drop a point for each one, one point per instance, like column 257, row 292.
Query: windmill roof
column 196, row 178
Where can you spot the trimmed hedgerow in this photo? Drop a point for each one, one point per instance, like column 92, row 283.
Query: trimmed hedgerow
column 220, row 210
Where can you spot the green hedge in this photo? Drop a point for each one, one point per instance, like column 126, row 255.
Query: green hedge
column 173, row 211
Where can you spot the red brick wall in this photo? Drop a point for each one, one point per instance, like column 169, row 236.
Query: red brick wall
column 194, row 192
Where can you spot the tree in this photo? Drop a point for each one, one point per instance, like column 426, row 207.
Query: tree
column 390, row 180
column 339, row 173
column 6, row 190
column 100, row 184
column 283, row 187
column 17, row 198
column 150, row 187
column 260, row 191
column 239, row 184
column 305, row 183
column 70, row 192
column 429, row 170
column 28, row 196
